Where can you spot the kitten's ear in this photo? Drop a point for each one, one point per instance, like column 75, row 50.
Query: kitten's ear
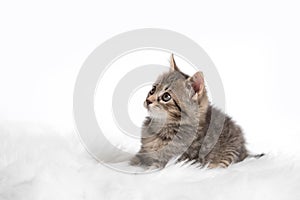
column 173, row 64
column 197, row 82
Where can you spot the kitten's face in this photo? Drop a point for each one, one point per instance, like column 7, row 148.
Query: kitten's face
column 162, row 100
column 173, row 93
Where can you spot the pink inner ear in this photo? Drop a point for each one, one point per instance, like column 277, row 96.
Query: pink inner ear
column 196, row 86
column 196, row 82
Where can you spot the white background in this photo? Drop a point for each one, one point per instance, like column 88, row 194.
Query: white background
column 254, row 44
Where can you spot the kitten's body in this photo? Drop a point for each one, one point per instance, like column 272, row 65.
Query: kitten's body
column 186, row 126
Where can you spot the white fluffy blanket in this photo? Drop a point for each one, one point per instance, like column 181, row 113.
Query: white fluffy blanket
column 41, row 163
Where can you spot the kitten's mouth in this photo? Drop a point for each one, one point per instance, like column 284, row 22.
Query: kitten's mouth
column 148, row 106
column 151, row 108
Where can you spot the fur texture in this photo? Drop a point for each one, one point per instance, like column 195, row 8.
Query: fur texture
column 37, row 162
column 182, row 123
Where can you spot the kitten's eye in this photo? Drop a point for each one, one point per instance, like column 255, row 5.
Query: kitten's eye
column 152, row 91
column 166, row 97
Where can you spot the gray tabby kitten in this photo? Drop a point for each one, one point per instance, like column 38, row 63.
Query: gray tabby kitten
column 182, row 124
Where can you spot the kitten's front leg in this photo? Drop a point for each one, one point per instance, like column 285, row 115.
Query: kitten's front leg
column 146, row 161
column 135, row 161
column 155, row 166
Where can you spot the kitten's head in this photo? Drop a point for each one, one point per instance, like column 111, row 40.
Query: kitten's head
column 174, row 93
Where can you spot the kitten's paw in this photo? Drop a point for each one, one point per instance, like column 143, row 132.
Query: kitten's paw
column 216, row 165
column 182, row 158
column 154, row 167
column 135, row 161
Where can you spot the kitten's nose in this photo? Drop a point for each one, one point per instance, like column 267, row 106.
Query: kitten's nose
column 148, row 102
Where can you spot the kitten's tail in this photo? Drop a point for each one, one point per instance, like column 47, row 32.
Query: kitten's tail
column 256, row 155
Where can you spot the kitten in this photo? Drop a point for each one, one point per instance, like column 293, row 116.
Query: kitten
column 183, row 124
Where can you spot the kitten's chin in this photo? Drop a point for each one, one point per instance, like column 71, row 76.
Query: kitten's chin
column 157, row 116
column 155, row 113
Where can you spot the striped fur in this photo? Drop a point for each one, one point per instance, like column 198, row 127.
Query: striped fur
column 187, row 126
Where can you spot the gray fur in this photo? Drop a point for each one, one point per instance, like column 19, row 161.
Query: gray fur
column 187, row 127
